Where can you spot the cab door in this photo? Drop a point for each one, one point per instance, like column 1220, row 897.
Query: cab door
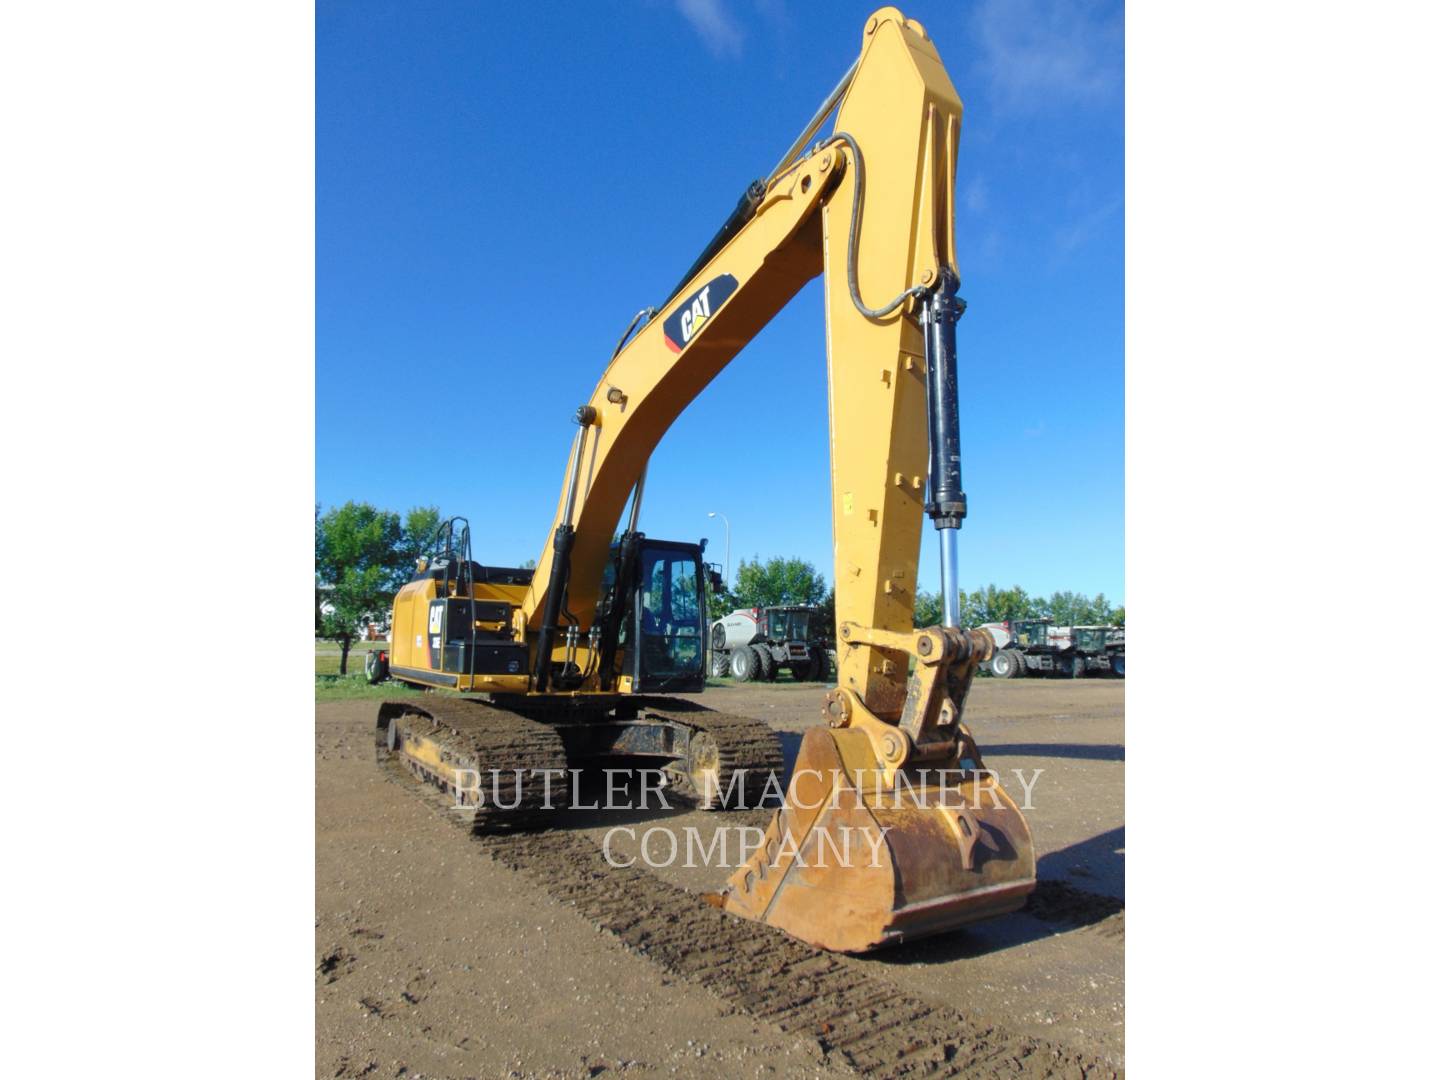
column 668, row 621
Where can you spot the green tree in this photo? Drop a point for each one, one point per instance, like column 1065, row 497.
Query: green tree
column 991, row 604
column 319, row 595
column 1063, row 607
column 1100, row 611
column 829, row 630
column 360, row 560
column 929, row 609
column 778, row 581
column 719, row 602
column 418, row 533
column 1076, row 609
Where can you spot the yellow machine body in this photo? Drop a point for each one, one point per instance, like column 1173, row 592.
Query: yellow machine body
column 943, row 853
column 417, row 642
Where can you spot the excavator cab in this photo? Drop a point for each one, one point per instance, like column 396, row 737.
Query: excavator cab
column 658, row 612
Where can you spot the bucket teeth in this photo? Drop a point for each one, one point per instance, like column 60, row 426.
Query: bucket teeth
column 850, row 866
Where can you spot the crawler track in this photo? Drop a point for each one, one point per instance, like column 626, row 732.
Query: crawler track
column 744, row 745
column 496, row 743
column 492, row 742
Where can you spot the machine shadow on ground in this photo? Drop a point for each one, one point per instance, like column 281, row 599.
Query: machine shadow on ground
column 1056, row 907
column 1097, row 863
column 1078, row 751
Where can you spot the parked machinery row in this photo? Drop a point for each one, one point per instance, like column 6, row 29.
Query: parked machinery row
column 1037, row 647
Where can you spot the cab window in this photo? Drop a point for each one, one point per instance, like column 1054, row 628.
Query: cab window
column 670, row 613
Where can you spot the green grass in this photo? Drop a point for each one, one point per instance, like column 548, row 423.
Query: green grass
column 330, row 685
column 327, row 656
column 329, row 664
column 360, row 648
column 353, row 686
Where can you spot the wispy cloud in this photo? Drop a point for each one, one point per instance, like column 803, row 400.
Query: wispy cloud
column 1082, row 230
column 1036, row 53
column 982, row 252
column 717, row 28
column 977, row 196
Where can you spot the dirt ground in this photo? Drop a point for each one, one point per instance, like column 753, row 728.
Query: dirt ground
column 442, row 956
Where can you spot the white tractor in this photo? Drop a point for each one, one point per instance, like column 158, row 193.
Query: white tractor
column 755, row 643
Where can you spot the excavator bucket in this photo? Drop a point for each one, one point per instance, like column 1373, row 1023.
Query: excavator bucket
column 849, row 863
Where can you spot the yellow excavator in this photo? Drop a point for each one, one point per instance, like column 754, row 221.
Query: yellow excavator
column 578, row 660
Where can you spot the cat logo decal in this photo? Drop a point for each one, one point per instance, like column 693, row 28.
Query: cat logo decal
column 696, row 309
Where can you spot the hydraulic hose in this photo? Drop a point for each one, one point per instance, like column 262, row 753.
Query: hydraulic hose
column 851, row 257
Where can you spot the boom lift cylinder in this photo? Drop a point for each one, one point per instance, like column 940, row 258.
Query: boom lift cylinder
column 560, row 564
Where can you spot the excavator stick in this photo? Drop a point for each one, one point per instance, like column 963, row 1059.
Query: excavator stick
column 892, row 828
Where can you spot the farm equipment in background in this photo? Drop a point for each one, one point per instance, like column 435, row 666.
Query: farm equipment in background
column 1091, row 649
column 755, row 643
column 1115, row 650
column 1038, row 647
column 1023, row 647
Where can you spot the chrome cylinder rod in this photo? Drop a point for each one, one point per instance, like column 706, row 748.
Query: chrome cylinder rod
column 635, row 499
column 950, row 575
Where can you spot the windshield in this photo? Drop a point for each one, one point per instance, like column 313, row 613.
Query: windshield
column 1090, row 640
column 670, row 613
column 800, row 625
column 1030, row 633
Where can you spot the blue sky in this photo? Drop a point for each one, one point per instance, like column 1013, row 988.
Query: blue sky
column 497, row 194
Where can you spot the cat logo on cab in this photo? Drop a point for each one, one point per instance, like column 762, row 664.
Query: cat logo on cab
column 686, row 320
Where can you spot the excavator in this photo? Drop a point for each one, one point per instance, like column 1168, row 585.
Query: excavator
column 580, row 659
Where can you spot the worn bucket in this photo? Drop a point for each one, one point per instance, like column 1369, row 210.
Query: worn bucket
column 850, row 863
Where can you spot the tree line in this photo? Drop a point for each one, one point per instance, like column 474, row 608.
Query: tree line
column 363, row 555
column 781, row 581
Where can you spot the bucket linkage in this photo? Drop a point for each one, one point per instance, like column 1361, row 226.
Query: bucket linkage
column 891, row 830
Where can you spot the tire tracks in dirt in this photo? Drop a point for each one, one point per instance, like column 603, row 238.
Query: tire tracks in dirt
column 858, row 1020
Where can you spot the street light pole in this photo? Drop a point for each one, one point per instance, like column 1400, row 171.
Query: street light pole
column 725, row 519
